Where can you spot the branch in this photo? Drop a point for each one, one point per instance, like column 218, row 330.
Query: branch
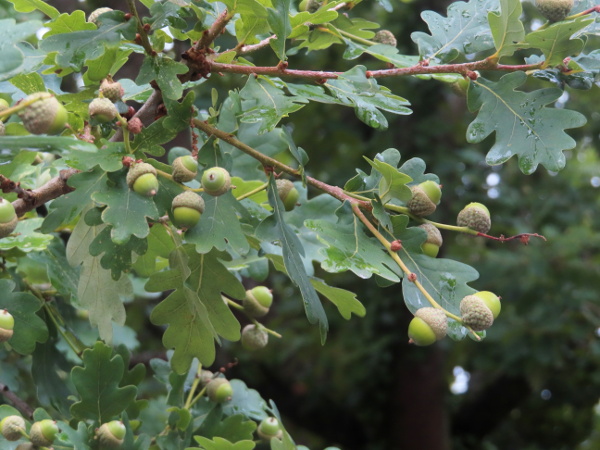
column 208, row 36
column 146, row 114
column 20, row 404
column 52, row 189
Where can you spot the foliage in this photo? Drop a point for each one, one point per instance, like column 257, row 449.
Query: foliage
column 88, row 247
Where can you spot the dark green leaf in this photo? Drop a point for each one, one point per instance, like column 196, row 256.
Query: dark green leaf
column 279, row 20
column 507, row 29
column 10, row 34
column 164, row 70
column 117, row 257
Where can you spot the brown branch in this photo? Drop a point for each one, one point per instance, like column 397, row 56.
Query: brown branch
column 245, row 49
column 52, row 189
column 208, row 36
column 20, row 404
column 146, row 114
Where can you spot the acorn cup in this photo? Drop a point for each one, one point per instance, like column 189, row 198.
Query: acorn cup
column 141, row 178
column 185, row 168
column 428, row 326
column 46, row 115
column 8, row 218
column 187, row 208
column 288, row 193
column 425, row 198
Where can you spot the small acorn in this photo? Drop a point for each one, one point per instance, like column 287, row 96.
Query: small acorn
column 93, row 17
column 431, row 246
column 7, row 325
column 111, row 434
column 425, row 197
column 385, row 37
column 475, row 216
column 8, row 218
column 254, row 338
column 428, row 325
column 269, row 428
column 112, row 90
column 102, row 110
column 187, row 208
column 491, row 300
column 288, row 193
column 43, row 433
column 216, row 181
column 310, row 5
column 46, row 115
column 206, row 376
column 185, row 168
column 219, row 390
column 554, row 10
column 142, row 179
column 475, row 313
column 12, row 428
column 258, row 300
column 3, row 104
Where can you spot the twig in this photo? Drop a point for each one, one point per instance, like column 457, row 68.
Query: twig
column 52, row 189
column 20, row 404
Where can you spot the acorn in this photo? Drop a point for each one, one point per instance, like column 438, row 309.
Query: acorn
column 102, row 110
column 43, row 433
column 258, row 300
column 385, row 37
column 2, row 128
column 431, row 246
column 112, row 90
column 46, row 115
column 288, row 193
column 310, row 5
column 185, row 168
column 142, row 179
column 269, row 428
column 111, row 434
column 7, row 324
column 3, row 104
column 491, row 300
column 216, row 181
column 554, row 10
column 206, row 377
column 8, row 218
column 475, row 216
column 219, row 390
column 428, row 325
column 254, row 338
column 475, row 313
column 425, row 197
column 12, row 428
column 187, row 208
column 93, row 17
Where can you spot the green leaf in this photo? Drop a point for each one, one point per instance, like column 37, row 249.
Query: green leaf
column 236, row 427
column 382, row 52
column 164, row 70
column 117, row 258
column 274, row 227
column 126, row 210
column 25, row 238
column 160, row 245
column 465, row 30
column 97, row 382
column 65, row 208
column 523, row 124
column 345, row 301
column 97, row 291
column 245, row 401
column 29, row 82
column 10, row 34
column 109, row 157
column 79, row 438
column 219, row 443
column 219, row 226
column 392, row 184
column 555, row 41
column 349, row 248
column 279, row 20
column 57, row 144
column 26, row 6
column 507, row 29
column 195, row 312
column 65, row 23
column 29, row 327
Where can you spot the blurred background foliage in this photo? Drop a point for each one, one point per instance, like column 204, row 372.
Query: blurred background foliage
column 534, row 383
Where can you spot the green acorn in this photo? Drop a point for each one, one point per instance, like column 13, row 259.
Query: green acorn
column 43, row 433
column 269, row 428
column 288, row 193
column 111, row 434
column 185, row 168
column 12, row 428
column 425, row 197
column 475, row 313
column 258, row 300
column 254, row 338
column 491, row 300
column 7, row 325
column 93, row 17
column 46, row 115
column 428, row 325
column 111, row 90
column 216, row 181
column 187, row 209
column 8, row 218
column 102, row 110
column 385, row 37
column 431, row 246
column 142, row 179
column 310, row 5
column 2, row 128
column 206, row 377
column 475, row 216
column 219, row 390
column 554, row 10
column 3, row 104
